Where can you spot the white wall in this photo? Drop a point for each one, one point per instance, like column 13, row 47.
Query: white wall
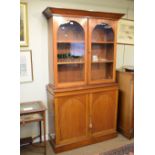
column 38, row 43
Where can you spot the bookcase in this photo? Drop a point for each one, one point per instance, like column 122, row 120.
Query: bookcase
column 82, row 93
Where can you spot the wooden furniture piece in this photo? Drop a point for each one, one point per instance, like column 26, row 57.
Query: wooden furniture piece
column 125, row 80
column 82, row 92
column 34, row 112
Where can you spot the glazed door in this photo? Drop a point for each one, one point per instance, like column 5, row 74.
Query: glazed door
column 102, row 51
column 70, row 46
column 103, row 112
column 72, row 118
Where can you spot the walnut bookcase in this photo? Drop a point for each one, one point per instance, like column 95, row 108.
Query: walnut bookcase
column 82, row 92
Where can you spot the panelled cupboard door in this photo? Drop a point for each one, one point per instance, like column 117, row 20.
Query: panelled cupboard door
column 103, row 112
column 70, row 50
column 72, row 118
column 102, row 47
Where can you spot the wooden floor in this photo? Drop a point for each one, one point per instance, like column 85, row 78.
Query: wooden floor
column 86, row 150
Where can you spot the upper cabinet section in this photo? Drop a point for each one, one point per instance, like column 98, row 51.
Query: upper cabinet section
column 82, row 47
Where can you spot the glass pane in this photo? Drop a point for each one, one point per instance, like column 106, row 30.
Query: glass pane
column 70, row 52
column 101, row 71
column 70, row 31
column 102, row 54
column 30, row 106
column 102, row 32
column 70, row 73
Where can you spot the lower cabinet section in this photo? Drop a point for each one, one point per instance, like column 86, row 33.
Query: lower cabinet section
column 82, row 117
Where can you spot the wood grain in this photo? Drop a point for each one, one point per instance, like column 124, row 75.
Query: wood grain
column 72, row 117
column 84, row 116
column 49, row 11
column 126, row 103
column 83, row 95
column 63, row 73
column 101, row 73
column 104, row 105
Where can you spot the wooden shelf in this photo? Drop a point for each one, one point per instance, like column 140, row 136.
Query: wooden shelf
column 69, row 41
column 74, row 62
column 102, row 61
column 102, row 42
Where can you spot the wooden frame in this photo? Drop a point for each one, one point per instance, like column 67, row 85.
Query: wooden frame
column 58, row 21
column 26, row 69
column 92, row 23
column 81, row 111
column 125, row 32
column 50, row 11
column 23, row 25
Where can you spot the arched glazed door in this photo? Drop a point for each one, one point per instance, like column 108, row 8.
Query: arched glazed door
column 102, row 51
column 70, row 46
